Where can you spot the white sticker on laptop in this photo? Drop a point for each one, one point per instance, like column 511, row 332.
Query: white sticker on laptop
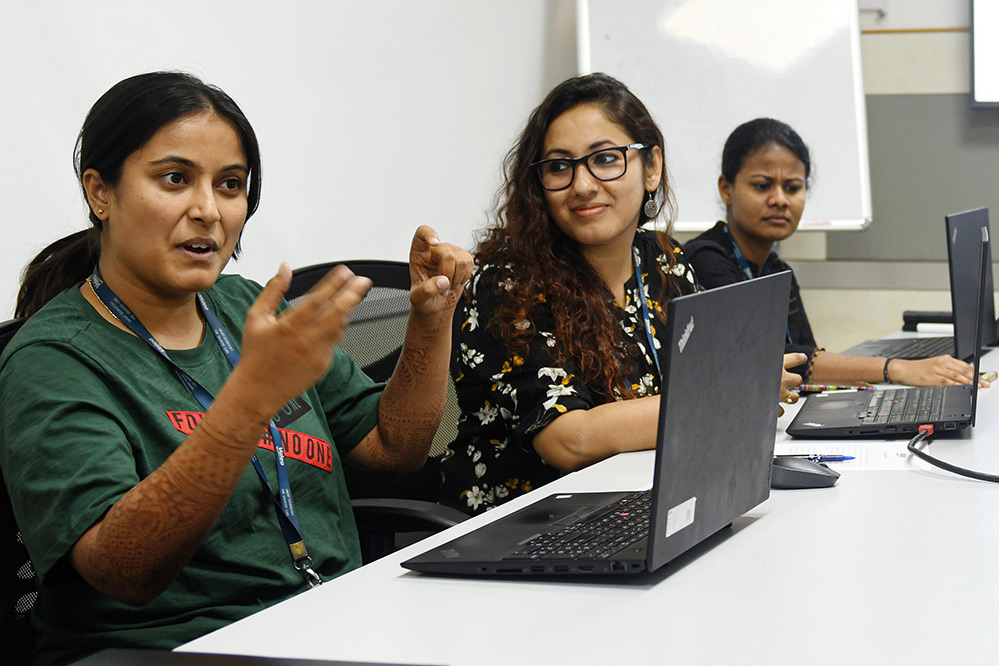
column 680, row 516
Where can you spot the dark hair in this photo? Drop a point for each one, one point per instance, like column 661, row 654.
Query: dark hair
column 525, row 198
column 121, row 122
column 537, row 258
column 749, row 137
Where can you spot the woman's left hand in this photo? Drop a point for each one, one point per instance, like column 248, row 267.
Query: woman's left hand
column 412, row 404
column 438, row 271
column 937, row 371
column 790, row 380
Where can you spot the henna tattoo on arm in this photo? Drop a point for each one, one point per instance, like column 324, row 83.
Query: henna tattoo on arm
column 143, row 542
column 411, row 407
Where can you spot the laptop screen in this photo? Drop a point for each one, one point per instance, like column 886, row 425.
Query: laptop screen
column 983, row 293
column 963, row 252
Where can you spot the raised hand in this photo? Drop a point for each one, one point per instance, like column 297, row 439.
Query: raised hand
column 284, row 354
column 439, row 271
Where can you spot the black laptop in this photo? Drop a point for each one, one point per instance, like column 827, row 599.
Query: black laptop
column 900, row 412
column 964, row 234
column 717, row 422
column 963, row 245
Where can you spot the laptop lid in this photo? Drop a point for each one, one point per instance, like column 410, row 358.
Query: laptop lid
column 718, row 412
column 715, row 439
column 984, row 296
column 964, row 242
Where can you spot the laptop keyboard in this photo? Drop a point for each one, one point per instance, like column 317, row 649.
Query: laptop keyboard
column 609, row 530
column 908, row 405
column 917, row 348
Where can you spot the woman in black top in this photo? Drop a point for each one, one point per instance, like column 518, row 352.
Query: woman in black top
column 765, row 172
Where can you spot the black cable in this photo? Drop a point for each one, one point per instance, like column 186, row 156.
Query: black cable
column 927, row 430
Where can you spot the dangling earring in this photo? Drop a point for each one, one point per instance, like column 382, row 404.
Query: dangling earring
column 651, row 207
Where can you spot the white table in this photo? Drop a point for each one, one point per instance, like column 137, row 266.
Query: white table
column 887, row 567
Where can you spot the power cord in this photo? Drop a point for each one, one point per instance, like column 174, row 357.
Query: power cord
column 927, row 431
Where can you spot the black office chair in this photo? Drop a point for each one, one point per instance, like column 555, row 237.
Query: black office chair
column 17, row 576
column 387, row 507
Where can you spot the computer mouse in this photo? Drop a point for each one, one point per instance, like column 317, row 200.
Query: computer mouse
column 792, row 473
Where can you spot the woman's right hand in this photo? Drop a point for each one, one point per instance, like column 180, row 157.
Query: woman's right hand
column 284, row 354
column 145, row 540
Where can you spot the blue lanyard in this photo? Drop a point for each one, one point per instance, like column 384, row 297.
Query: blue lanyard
column 740, row 259
column 287, row 516
column 646, row 317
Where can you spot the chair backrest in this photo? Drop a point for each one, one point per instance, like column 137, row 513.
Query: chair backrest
column 17, row 576
column 378, row 327
column 8, row 329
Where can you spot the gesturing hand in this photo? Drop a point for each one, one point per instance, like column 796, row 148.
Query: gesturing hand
column 438, row 271
column 284, row 354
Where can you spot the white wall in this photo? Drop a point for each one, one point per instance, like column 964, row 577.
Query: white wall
column 914, row 14
column 917, row 47
column 373, row 117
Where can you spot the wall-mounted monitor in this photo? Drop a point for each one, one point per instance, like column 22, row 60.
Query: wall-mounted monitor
column 985, row 53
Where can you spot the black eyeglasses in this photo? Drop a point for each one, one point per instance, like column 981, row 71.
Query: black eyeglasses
column 605, row 164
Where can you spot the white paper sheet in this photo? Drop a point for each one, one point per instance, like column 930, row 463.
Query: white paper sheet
column 878, row 454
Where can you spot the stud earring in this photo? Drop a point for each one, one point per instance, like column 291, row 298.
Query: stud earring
column 651, row 208
column 100, row 211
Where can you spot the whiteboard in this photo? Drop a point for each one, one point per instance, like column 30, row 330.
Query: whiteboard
column 703, row 67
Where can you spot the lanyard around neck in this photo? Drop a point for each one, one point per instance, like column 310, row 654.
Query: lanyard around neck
column 646, row 316
column 740, row 259
column 287, row 516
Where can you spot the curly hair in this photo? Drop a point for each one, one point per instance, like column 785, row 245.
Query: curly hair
column 544, row 268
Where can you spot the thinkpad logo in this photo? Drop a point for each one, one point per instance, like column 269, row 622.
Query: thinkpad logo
column 687, row 330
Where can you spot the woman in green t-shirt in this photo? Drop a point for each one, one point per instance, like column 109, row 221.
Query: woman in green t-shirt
column 128, row 428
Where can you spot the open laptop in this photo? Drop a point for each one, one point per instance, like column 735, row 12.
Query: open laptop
column 963, row 245
column 964, row 234
column 714, row 448
column 900, row 412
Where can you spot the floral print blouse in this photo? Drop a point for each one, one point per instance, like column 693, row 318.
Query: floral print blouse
column 505, row 399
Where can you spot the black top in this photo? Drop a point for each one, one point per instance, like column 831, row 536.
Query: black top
column 712, row 257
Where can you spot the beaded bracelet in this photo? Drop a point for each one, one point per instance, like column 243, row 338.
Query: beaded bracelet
column 811, row 362
column 885, row 371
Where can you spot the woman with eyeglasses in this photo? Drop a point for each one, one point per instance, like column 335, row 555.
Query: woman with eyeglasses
column 553, row 365
column 765, row 174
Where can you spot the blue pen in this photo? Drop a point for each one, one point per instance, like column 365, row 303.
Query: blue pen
column 819, row 457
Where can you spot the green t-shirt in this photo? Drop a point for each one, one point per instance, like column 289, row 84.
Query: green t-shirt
column 87, row 411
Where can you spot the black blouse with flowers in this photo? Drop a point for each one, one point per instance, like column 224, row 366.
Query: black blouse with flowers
column 505, row 400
